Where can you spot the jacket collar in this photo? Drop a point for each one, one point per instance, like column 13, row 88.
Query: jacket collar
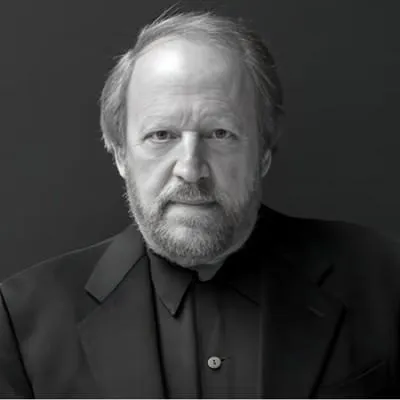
column 124, row 252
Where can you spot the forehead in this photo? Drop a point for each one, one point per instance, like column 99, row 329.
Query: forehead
column 182, row 69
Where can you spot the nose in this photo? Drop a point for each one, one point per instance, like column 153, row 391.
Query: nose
column 190, row 164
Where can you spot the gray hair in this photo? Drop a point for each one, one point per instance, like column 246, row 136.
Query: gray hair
column 216, row 30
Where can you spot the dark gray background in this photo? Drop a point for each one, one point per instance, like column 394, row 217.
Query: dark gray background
column 338, row 60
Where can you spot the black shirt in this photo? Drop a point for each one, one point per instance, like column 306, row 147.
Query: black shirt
column 216, row 318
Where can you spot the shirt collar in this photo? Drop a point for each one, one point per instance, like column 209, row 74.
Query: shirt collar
column 241, row 270
column 171, row 281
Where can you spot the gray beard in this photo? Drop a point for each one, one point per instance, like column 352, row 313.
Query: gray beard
column 211, row 237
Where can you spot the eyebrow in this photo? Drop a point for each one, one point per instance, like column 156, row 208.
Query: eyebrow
column 174, row 120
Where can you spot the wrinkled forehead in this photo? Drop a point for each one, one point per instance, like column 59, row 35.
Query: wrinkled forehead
column 183, row 67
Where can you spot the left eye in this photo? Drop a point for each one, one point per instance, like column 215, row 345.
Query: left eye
column 221, row 134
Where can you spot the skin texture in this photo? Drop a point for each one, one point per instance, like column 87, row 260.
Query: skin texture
column 191, row 135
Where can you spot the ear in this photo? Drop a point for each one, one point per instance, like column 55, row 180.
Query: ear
column 119, row 158
column 266, row 162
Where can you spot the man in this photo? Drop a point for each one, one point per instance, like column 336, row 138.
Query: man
column 209, row 293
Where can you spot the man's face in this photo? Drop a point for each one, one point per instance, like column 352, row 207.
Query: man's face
column 191, row 164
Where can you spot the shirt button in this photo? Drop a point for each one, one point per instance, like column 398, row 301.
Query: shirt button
column 214, row 362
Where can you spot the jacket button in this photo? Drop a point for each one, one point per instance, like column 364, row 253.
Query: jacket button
column 214, row 362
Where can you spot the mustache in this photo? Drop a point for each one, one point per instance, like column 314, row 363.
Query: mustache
column 188, row 192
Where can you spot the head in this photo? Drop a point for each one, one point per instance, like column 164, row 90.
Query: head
column 190, row 115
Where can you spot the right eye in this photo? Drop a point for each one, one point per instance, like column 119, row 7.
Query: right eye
column 161, row 136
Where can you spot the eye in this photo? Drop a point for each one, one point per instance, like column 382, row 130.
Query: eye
column 160, row 136
column 221, row 134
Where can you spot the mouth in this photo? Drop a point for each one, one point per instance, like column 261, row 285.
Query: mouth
column 194, row 203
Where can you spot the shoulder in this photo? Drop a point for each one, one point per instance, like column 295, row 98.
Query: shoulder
column 350, row 242
column 55, row 281
column 357, row 261
column 337, row 240
column 59, row 268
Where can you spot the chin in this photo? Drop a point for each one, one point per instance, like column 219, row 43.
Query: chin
column 202, row 221
column 188, row 246
column 186, row 234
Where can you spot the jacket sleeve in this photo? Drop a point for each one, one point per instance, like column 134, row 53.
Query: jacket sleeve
column 13, row 379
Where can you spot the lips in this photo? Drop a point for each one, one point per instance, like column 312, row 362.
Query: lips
column 194, row 203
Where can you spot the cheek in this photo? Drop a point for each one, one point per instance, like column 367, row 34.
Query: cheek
column 232, row 177
column 150, row 177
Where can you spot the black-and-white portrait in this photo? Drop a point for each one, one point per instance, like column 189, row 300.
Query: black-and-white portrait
column 200, row 199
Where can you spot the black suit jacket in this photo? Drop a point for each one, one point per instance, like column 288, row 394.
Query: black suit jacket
column 82, row 324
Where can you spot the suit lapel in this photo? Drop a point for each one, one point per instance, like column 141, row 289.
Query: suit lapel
column 300, row 321
column 300, row 324
column 120, row 335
